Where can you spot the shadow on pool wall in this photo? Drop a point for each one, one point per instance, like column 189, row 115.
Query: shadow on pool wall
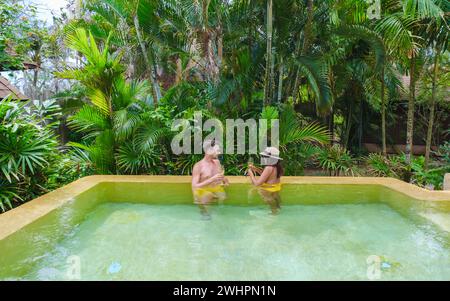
column 30, row 231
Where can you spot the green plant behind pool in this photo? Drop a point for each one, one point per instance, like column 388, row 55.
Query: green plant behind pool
column 434, row 175
column 30, row 162
column 26, row 142
column 396, row 166
column 385, row 166
column 336, row 160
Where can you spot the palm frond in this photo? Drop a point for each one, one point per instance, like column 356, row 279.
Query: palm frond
column 397, row 31
column 88, row 119
column 98, row 99
column 371, row 37
column 148, row 135
column 316, row 71
column 292, row 131
column 131, row 160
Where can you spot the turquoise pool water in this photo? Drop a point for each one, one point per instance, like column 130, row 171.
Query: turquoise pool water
column 122, row 240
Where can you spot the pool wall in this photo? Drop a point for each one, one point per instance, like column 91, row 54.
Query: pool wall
column 112, row 189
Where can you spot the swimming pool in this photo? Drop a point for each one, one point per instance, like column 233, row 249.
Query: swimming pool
column 146, row 228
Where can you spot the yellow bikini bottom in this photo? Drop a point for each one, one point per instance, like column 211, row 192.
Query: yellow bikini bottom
column 199, row 192
column 271, row 187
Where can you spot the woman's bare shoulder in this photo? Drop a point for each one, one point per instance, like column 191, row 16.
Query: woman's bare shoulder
column 269, row 167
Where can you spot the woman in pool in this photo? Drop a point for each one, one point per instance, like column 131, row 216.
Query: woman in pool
column 268, row 183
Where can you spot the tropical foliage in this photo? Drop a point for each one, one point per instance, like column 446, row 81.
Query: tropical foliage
column 29, row 162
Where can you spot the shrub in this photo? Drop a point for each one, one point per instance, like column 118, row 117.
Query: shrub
column 432, row 176
column 336, row 160
column 395, row 166
column 381, row 166
column 27, row 141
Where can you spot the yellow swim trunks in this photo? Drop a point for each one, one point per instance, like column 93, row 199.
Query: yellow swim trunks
column 271, row 187
column 199, row 192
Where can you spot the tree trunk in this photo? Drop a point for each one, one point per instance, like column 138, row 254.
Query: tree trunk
column 35, row 93
column 111, row 156
column 272, row 79
column 219, row 47
column 56, row 80
column 361, row 123
column 331, row 126
column 211, row 64
column 280, row 79
column 147, row 61
column 296, row 84
column 78, row 15
column 306, row 43
column 383, row 115
column 308, row 26
column 432, row 108
column 331, row 80
column 410, row 120
column 268, row 76
column 63, row 131
column 155, row 75
column 179, row 74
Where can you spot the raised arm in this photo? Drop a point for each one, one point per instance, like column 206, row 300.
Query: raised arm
column 225, row 181
column 263, row 178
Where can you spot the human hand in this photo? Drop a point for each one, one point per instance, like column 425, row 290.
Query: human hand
column 218, row 177
column 250, row 172
column 255, row 169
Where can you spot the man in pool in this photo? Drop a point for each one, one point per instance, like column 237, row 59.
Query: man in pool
column 208, row 178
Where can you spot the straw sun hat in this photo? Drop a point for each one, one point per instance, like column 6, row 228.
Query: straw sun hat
column 271, row 152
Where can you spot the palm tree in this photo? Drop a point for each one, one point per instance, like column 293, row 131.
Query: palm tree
column 152, row 73
column 98, row 75
column 268, row 82
column 132, row 14
column 383, row 114
column 437, row 33
column 432, row 106
column 304, row 44
column 117, row 108
column 401, row 29
column 195, row 31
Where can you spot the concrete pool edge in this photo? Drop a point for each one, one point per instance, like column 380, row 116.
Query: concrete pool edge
column 19, row 217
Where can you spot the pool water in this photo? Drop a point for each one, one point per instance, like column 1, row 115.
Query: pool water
column 306, row 241
column 157, row 242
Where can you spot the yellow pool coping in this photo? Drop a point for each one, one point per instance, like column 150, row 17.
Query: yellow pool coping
column 17, row 218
